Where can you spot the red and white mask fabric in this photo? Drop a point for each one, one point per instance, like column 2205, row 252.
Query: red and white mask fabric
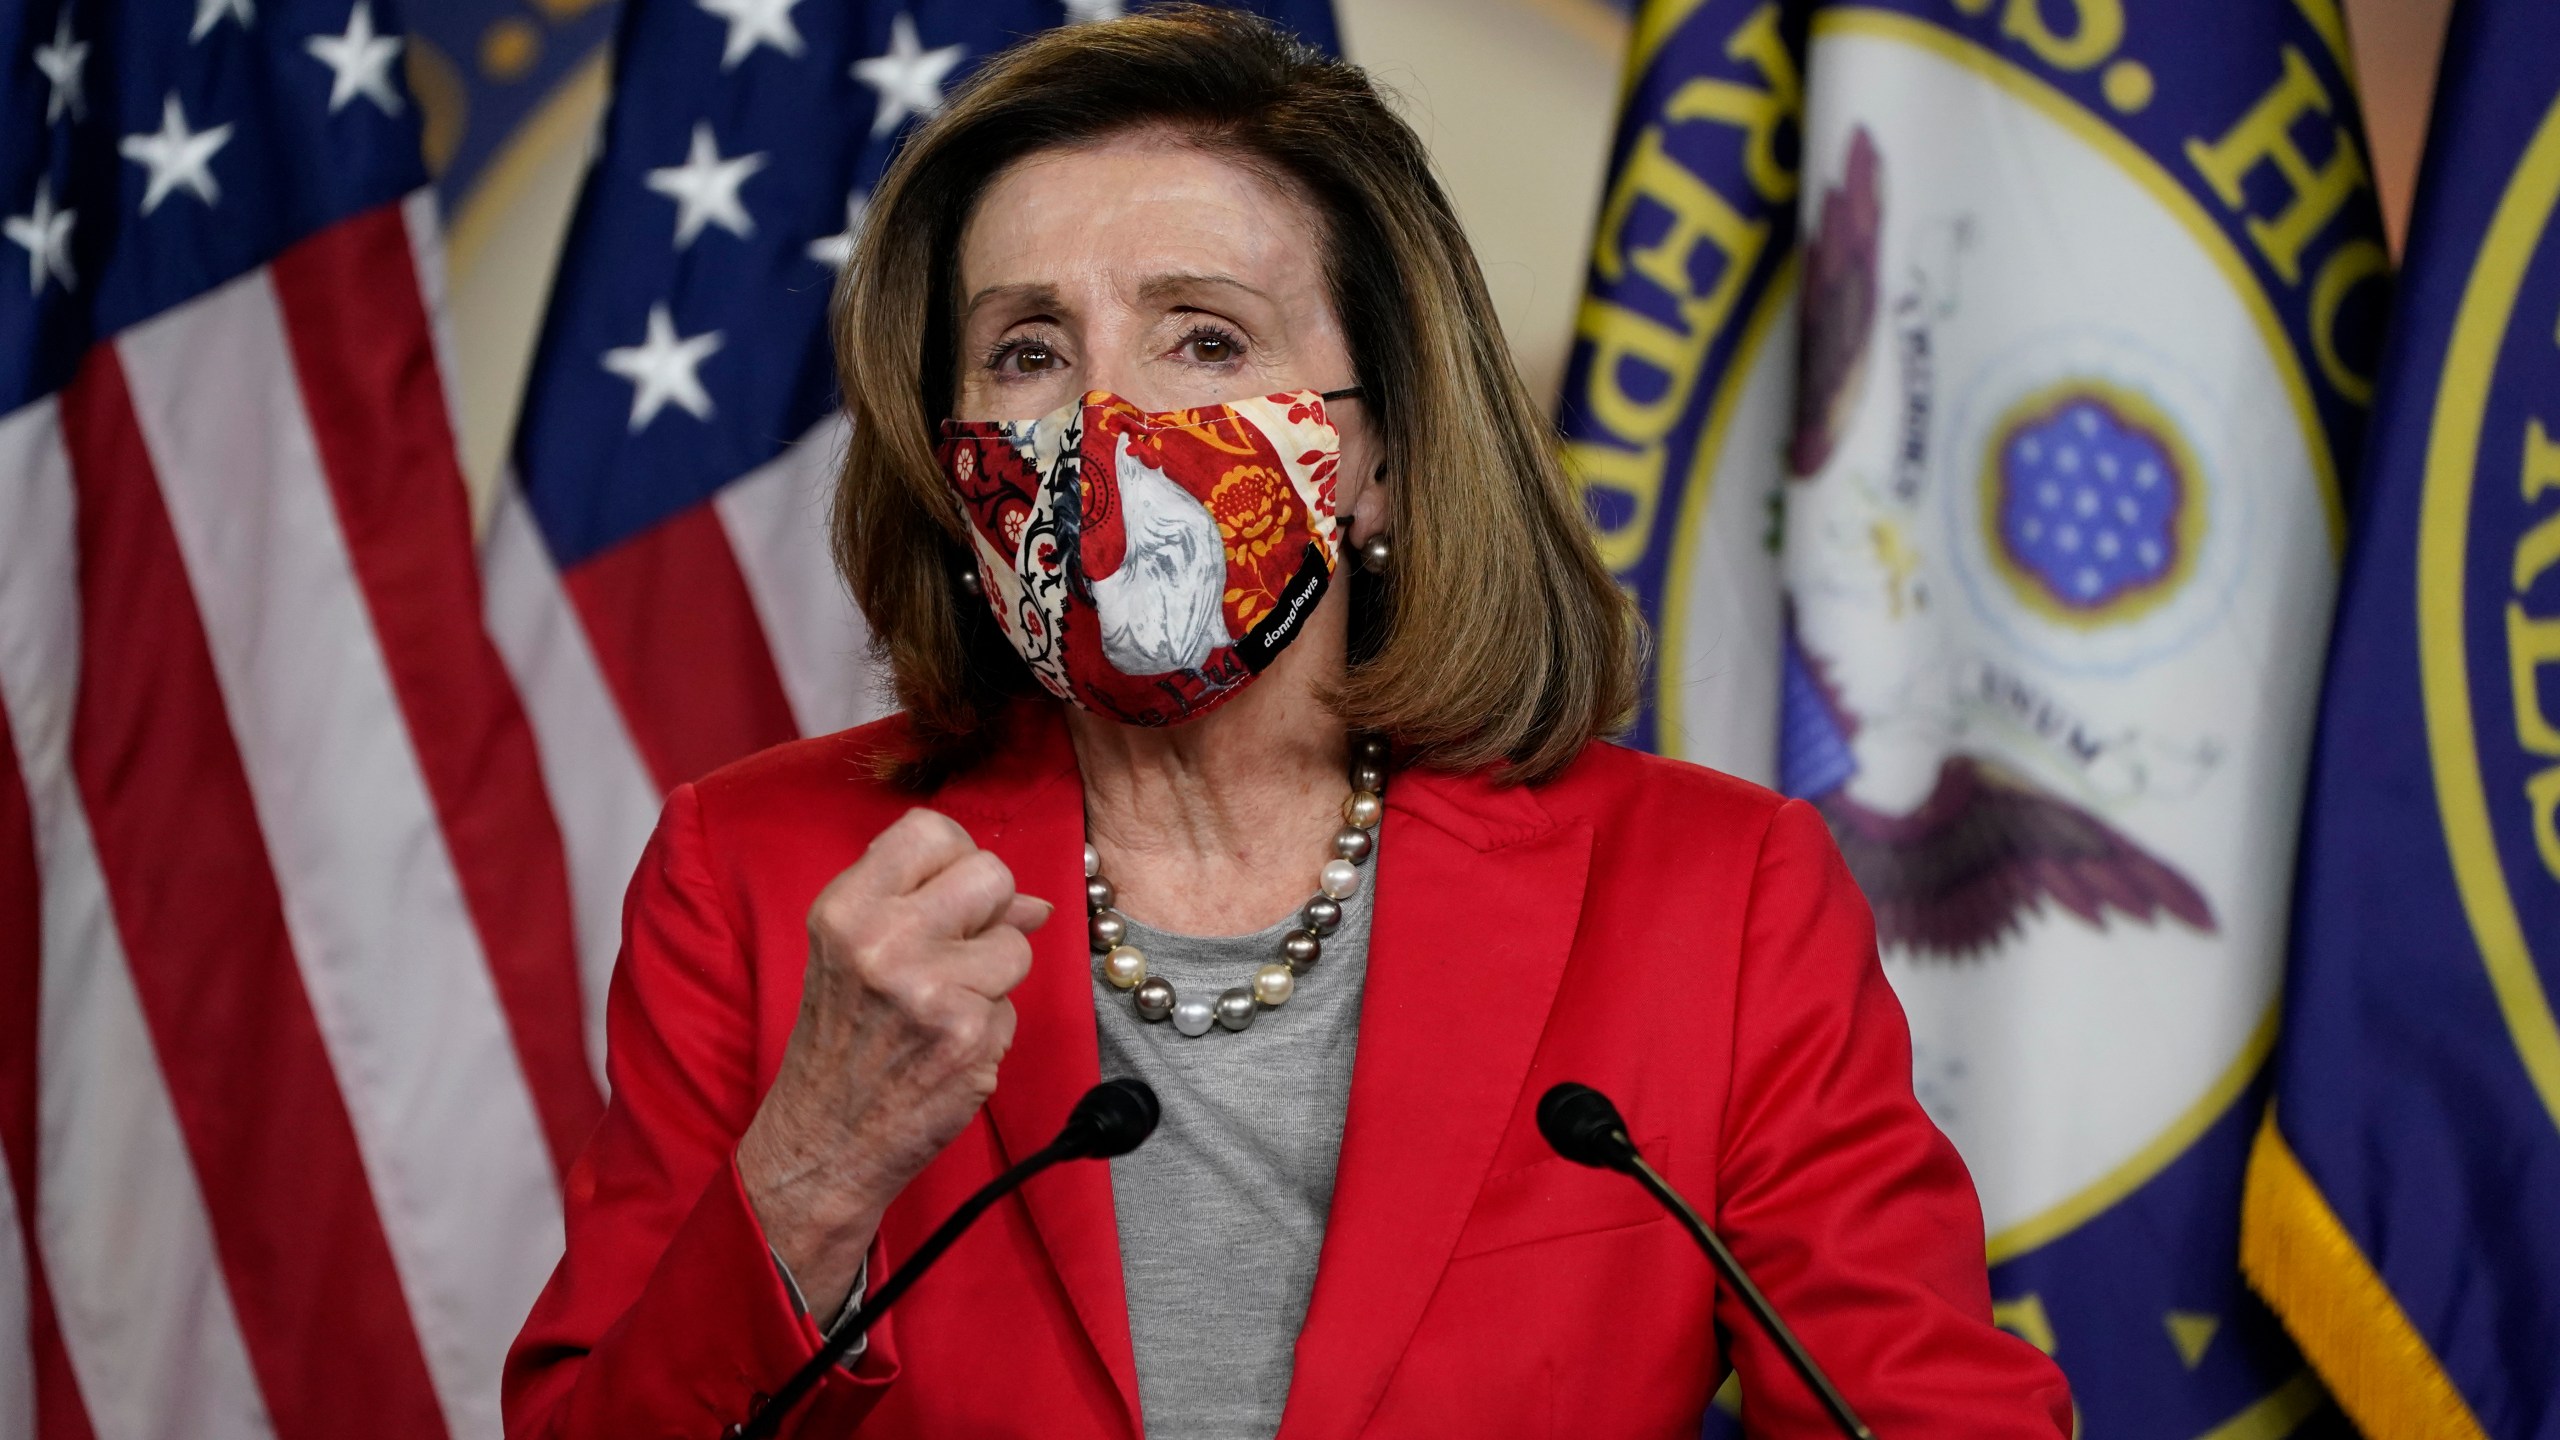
column 1146, row 566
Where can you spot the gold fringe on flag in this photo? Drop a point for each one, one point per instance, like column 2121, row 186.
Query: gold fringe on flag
column 2349, row 1326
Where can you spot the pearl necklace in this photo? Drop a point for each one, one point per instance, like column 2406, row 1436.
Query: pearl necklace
column 1124, row 965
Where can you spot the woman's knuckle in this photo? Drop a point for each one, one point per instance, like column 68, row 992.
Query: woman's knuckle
column 984, row 875
column 914, row 824
column 879, row 959
column 926, row 834
column 911, row 987
column 1013, row 952
column 964, row 1031
column 834, row 914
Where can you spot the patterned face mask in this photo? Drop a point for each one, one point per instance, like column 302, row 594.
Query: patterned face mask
column 1147, row 565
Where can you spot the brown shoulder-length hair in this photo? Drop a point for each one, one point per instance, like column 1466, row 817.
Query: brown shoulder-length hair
column 1498, row 636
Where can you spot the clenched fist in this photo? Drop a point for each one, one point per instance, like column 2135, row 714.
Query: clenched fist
column 903, row 1018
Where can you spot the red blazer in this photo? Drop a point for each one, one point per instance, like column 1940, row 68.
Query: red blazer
column 1686, row 942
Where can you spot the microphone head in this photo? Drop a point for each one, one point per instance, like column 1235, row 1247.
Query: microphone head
column 1582, row 1126
column 1114, row 1118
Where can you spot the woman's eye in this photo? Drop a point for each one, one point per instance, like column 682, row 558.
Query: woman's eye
column 1022, row 357
column 1211, row 347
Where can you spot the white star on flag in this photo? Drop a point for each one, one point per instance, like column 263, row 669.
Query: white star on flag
column 705, row 188
column 909, row 77
column 176, row 157
column 46, row 234
column 60, row 63
column 1086, row 12
column 753, row 23
column 662, row 369
column 209, row 13
column 359, row 62
column 836, row 251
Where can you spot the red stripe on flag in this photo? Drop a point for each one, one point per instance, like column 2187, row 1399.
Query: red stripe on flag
column 364, row 356
column 60, row 1414
column 195, row 897
column 676, row 634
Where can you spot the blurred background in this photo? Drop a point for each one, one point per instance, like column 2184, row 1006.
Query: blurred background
column 370, row 573
column 1517, row 97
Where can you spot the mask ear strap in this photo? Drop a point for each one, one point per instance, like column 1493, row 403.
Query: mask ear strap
column 1347, row 392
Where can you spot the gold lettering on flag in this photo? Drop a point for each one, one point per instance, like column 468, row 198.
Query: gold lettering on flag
column 2264, row 136
column 2095, row 32
column 2534, row 641
column 1629, row 347
column 2317, row 194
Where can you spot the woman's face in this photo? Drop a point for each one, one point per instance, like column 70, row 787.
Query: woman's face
column 1159, row 272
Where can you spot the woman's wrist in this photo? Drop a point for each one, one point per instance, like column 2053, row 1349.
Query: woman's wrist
column 818, row 1220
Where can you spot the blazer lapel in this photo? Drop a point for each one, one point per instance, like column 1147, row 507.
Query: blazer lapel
column 1027, row 806
column 1480, row 895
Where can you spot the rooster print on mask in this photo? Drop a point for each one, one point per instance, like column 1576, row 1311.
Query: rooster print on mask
column 1146, row 566
column 1162, row 610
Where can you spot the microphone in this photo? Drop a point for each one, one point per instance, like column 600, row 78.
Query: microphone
column 1114, row 1118
column 1581, row 1125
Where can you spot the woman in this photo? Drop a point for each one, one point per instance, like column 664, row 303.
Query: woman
column 1157, row 334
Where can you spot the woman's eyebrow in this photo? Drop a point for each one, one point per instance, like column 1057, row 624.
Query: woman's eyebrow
column 1029, row 293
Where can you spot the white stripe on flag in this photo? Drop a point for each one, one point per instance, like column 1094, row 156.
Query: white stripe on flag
column 17, row 1358
column 600, row 789
column 776, row 519
column 145, row 1312
column 394, row 969
column 426, row 254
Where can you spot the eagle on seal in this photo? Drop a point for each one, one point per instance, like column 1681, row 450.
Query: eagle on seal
column 1987, row 846
column 1962, row 870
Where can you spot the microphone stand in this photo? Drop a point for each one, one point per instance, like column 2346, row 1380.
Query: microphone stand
column 1106, row 1122
column 1754, row 1301
column 1581, row 1125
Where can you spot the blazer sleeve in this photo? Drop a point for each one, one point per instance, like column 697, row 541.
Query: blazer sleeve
column 668, row 1315
column 1841, row 1197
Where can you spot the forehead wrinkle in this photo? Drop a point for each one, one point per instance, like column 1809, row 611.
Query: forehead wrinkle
column 1157, row 288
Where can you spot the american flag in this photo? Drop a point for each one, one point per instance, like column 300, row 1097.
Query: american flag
column 289, row 1053
column 300, row 977
column 657, row 567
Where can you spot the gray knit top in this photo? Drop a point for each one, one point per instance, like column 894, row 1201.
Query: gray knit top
column 1221, row 1213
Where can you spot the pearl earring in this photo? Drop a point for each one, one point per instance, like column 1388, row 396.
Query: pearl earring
column 970, row 582
column 1376, row 554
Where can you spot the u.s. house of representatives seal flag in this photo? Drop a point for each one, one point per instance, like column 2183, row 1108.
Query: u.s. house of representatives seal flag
column 2404, row 1200
column 2088, row 303
column 2091, row 292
